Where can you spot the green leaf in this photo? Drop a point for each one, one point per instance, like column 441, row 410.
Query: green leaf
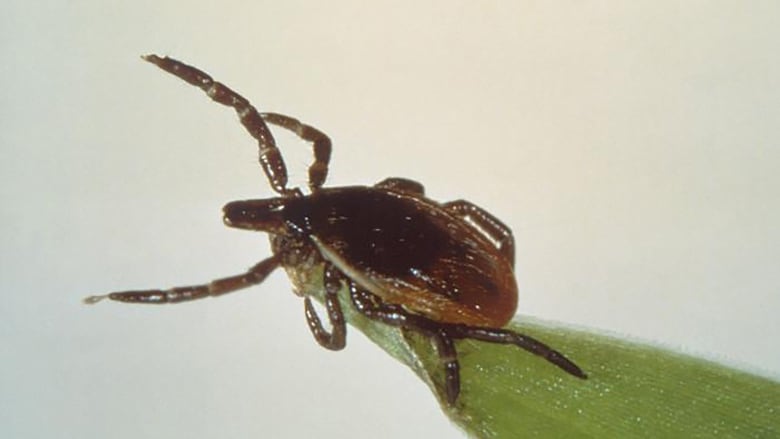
column 633, row 390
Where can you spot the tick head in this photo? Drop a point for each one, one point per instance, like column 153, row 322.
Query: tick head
column 262, row 215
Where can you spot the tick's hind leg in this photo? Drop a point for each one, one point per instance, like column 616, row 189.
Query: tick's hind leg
column 449, row 359
column 253, row 276
column 443, row 335
column 506, row 336
column 487, row 224
column 372, row 307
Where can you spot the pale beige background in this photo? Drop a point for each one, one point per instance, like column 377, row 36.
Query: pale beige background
column 632, row 146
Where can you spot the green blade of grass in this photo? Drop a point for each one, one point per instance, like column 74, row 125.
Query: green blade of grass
column 633, row 390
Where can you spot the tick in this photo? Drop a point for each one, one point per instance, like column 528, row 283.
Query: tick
column 445, row 270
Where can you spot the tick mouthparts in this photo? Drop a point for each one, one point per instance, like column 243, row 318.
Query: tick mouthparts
column 262, row 215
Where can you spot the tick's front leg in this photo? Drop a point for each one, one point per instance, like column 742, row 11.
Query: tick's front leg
column 253, row 276
column 270, row 157
column 336, row 339
column 321, row 144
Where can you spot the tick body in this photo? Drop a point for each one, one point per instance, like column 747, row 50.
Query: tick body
column 442, row 269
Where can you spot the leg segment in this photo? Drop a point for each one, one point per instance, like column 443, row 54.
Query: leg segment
column 372, row 307
column 489, row 224
column 318, row 171
column 270, row 157
column 253, row 276
column 403, row 185
column 336, row 339
column 530, row 344
column 449, row 358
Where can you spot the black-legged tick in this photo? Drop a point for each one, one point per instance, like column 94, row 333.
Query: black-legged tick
column 443, row 269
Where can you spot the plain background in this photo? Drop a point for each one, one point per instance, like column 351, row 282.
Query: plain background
column 632, row 146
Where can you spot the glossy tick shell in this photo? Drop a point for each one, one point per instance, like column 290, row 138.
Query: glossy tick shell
column 402, row 247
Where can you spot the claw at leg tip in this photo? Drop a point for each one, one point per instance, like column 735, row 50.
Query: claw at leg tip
column 91, row 300
column 152, row 58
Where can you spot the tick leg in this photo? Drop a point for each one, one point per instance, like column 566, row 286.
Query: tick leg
column 530, row 344
column 253, row 276
column 336, row 339
column 489, row 225
column 372, row 307
column 443, row 333
column 270, row 158
column 449, row 357
column 403, row 185
column 318, row 171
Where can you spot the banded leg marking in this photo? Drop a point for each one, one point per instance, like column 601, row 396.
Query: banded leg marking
column 492, row 226
column 270, row 158
column 321, row 144
column 336, row 339
column 253, row 276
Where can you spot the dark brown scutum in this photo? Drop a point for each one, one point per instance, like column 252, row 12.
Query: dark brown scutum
column 379, row 232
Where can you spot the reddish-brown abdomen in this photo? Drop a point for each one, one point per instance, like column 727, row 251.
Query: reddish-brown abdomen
column 410, row 251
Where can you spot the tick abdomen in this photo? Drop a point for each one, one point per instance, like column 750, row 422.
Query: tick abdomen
column 421, row 255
